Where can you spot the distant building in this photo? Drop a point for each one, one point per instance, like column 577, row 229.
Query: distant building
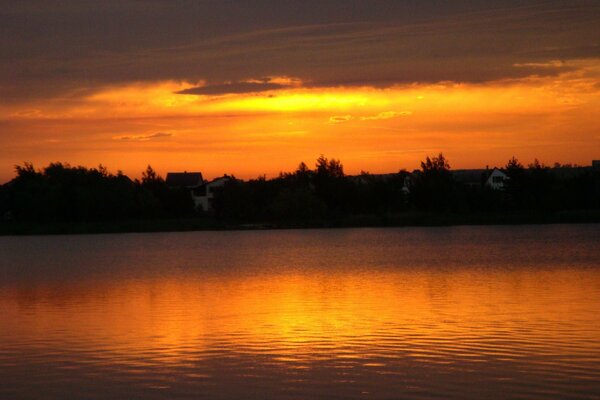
column 203, row 195
column 186, row 179
column 497, row 179
column 596, row 165
column 494, row 178
column 202, row 192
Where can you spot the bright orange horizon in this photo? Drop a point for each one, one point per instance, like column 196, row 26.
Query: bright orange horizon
column 376, row 130
column 377, row 88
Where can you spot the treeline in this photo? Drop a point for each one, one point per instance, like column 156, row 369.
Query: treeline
column 326, row 193
column 62, row 193
column 320, row 196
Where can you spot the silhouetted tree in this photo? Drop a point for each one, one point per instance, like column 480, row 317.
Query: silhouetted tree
column 298, row 205
column 541, row 189
column 516, row 184
column 433, row 187
column 60, row 192
column 329, row 168
column 331, row 187
column 63, row 193
column 174, row 202
column 435, row 165
column 236, row 201
column 532, row 188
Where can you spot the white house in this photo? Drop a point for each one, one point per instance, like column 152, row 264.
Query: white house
column 497, row 180
column 476, row 178
column 203, row 195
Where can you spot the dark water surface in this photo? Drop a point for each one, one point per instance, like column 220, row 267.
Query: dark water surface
column 463, row 312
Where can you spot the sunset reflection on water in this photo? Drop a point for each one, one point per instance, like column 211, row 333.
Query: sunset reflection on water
column 317, row 313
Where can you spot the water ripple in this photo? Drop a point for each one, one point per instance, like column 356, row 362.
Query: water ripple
column 424, row 313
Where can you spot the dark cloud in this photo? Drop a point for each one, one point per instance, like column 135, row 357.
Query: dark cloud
column 234, row 88
column 575, row 52
column 62, row 49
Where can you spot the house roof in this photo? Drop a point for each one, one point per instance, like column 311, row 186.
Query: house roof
column 184, row 179
column 470, row 176
column 219, row 179
column 496, row 171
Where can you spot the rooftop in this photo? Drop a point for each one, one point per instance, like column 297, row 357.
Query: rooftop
column 184, row 179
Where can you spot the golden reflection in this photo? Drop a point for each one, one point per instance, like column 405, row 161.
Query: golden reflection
column 300, row 315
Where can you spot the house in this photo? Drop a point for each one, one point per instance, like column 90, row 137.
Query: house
column 496, row 179
column 203, row 195
column 184, row 179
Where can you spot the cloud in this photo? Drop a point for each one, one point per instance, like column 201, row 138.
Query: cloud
column 114, row 42
column 144, row 138
column 386, row 115
column 338, row 119
column 234, row 88
column 545, row 68
column 549, row 64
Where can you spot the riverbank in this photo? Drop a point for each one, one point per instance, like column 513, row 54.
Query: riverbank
column 206, row 223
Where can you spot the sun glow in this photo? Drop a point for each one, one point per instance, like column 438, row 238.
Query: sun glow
column 376, row 129
column 303, row 101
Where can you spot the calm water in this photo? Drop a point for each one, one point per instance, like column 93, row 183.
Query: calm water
column 464, row 312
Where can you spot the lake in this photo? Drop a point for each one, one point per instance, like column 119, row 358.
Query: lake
column 458, row 312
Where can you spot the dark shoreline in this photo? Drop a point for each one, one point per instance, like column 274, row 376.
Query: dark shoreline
column 359, row 221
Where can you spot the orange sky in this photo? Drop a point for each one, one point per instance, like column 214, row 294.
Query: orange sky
column 377, row 130
column 252, row 91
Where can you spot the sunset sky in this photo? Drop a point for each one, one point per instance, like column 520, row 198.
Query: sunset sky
column 253, row 87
